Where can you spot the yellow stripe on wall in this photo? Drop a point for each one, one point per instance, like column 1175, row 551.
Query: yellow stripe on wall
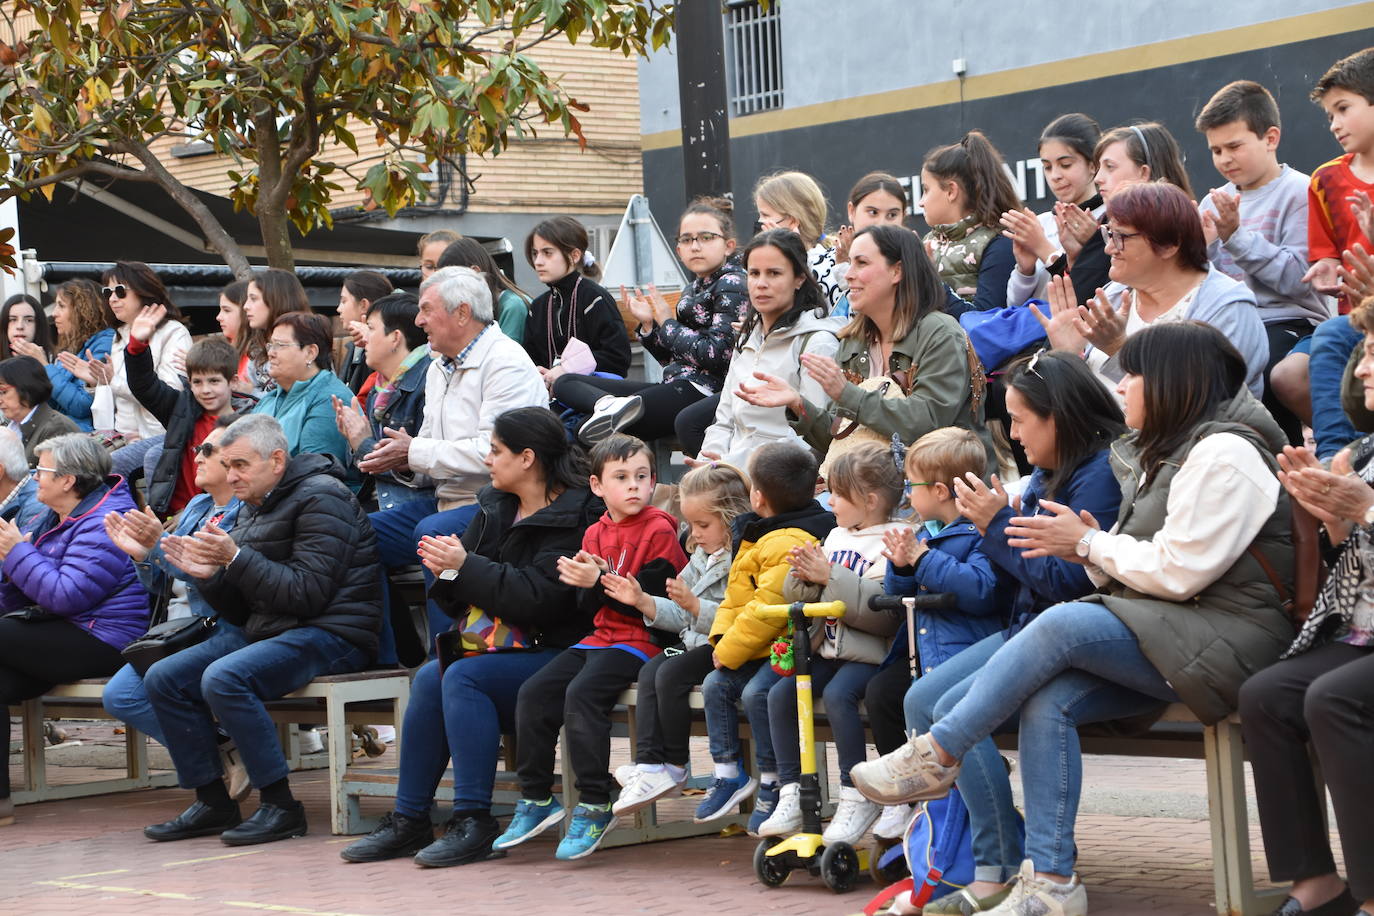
column 1168, row 53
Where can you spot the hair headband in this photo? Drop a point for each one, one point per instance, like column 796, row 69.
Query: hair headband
column 899, row 453
column 1145, row 145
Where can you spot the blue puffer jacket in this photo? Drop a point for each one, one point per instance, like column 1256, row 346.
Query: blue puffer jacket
column 72, row 570
column 1050, row 580
column 69, row 394
column 954, row 563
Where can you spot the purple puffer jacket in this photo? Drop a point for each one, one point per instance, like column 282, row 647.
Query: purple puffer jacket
column 73, row 570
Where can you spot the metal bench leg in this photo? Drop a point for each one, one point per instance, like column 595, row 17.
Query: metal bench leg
column 1235, row 879
column 340, row 750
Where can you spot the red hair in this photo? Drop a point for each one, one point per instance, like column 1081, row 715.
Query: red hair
column 1165, row 216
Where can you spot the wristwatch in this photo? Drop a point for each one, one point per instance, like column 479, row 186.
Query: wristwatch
column 448, row 575
column 1081, row 548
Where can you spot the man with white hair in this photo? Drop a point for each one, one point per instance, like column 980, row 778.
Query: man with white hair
column 478, row 373
column 18, row 487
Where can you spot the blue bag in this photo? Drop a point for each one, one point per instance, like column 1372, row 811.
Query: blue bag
column 998, row 335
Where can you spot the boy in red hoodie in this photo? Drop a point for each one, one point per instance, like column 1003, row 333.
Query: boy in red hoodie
column 578, row 689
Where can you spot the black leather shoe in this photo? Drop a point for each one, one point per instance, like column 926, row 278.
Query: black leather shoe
column 198, row 820
column 267, row 825
column 397, row 835
column 466, row 839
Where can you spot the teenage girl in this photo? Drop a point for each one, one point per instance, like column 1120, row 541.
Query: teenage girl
column 575, row 305
column 360, row 289
column 866, row 485
column 695, row 342
column 26, row 329
column 964, row 192
column 511, row 304
column 876, row 199
column 713, row 495
column 233, row 324
column 1066, row 160
column 793, row 200
column 271, row 293
column 85, row 327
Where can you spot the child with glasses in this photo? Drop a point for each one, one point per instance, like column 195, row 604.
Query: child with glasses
column 694, row 341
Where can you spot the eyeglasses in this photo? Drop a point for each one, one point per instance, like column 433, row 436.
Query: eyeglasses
column 40, row 469
column 274, row 345
column 119, row 291
column 701, row 238
column 1030, row 366
column 205, row 449
column 1117, row 237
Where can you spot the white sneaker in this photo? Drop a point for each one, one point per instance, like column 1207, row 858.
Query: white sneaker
column 626, row 773
column 910, row 773
column 311, row 741
column 787, row 816
column 611, row 415
column 853, row 816
column 892, row 822
column 646, row 790
column 1032, row 896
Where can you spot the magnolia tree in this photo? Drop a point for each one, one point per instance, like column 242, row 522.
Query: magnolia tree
column 89, row 87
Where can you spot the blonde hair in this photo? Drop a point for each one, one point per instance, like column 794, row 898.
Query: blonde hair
column 724, row 487
column 797, row 195
column 947, row 454
column 868, row 468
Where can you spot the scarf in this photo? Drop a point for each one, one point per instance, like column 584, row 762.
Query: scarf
column 383, row 391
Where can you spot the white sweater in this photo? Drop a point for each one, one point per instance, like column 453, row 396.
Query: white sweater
column 132, row 418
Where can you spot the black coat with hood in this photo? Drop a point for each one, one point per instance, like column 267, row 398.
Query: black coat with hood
column 308, row 557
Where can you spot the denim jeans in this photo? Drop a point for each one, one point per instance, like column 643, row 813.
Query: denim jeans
column 132, row 460
column 721, row 691
column 842, row 685
column 460, row 716
column 227, row 678
column 1332, row 342
column 983, row 780
column 398, row 536
column 1074, row 663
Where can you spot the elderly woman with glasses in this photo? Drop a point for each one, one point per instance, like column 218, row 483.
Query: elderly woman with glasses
column 1160, row 273
column 24, row 392
column 299, row 358
column 71, row 599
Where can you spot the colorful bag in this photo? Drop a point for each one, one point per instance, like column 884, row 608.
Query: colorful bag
column 479, row 633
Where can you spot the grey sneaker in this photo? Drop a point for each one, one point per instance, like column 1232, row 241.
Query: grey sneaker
column 910, row 773
column 1032, row 896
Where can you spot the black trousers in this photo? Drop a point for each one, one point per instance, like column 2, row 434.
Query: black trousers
column 1282, row 336
column 36, row 655
column 1325, row 696
column 664, row 724
column 692, row 423
column 662, row 403
column 883, row 701
column 577, row 690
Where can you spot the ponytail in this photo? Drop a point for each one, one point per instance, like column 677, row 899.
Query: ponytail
column 977, row 166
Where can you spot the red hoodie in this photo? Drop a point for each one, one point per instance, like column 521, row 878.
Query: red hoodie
column 645, row 539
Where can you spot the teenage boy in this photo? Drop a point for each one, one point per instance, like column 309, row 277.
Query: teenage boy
column 786, row 515
column 1256, row 223
column 188, row 413
column 579, row 688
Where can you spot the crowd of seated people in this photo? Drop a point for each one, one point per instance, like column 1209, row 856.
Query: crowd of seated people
column 1158, row 363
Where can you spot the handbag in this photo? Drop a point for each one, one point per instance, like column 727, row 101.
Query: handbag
column 478, row 633
column 167, row 638
column 999, row 335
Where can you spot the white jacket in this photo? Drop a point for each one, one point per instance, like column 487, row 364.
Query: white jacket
column 741, row 427
column 460, row 410
column 130, row 417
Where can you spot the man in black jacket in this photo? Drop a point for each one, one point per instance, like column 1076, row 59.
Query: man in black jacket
column 299, row 575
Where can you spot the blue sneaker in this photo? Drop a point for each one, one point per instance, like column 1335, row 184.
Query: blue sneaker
column 531, row 819
column 587, row 829
column 764, row 804
column 723, row 795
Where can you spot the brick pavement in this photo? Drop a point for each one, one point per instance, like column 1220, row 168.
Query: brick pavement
column 89, row 856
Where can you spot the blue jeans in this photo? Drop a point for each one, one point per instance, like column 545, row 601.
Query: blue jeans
column 721, row 691
column 983, row 782
column 1332, row 342
column 1075, row 663
column 842, row 685
column 136, row 458
column 460, row 717
column 398, row 536
column 227, row 678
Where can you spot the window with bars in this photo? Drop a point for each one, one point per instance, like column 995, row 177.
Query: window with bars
column 753, row 49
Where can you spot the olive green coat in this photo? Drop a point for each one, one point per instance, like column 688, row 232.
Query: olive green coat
column 1208, row 645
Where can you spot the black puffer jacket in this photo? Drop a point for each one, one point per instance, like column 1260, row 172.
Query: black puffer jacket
column 177, row 410
column 580, row 308
column 512, row 567
column 308, row 558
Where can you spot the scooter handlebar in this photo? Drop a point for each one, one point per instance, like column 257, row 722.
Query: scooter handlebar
column 816, row 609
column 896, row 605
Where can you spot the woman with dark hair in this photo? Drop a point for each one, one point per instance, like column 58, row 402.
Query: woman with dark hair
column 1160, row 273
column 535, row 512
column 24, row 393
column 511, row 304
column 1186, row 608
column 784, row 324
column 25, row 328
column 271, row 294
column 360, row 289
column 398, row 352
column 897, row 327
column 85, row 328
column 302, row 401
column 1066, row 421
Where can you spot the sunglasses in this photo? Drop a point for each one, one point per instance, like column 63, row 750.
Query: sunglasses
column 205, row 449
column 119, row 291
